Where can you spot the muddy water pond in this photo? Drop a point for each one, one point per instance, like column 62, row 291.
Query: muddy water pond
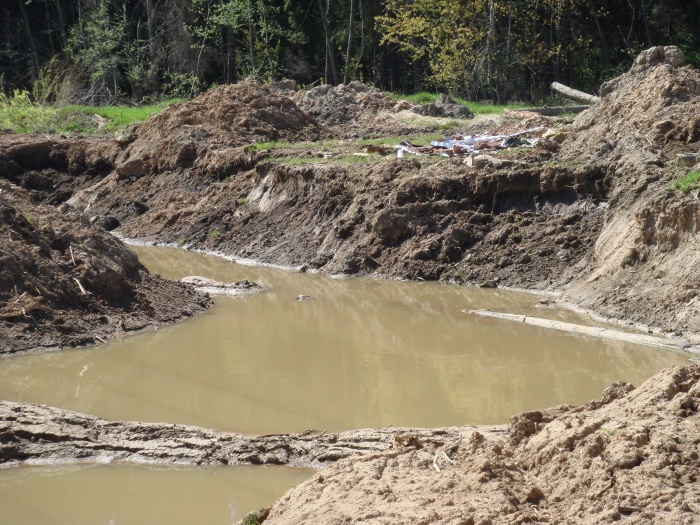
column 135, row 495
column 359, row 353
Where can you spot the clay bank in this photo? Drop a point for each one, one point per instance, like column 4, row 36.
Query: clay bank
column 265, row 173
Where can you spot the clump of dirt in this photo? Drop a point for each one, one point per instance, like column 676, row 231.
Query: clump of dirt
column 645, row 259
column 444, row 106
column 52, row 168
column 630, row 456
column 643, row 117
column 209, row 129
column 64, row 282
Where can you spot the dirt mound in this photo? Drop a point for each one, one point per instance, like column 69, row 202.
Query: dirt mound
column 645, row 261
column 644, row 116
column 203, row 132
column 343, row 104
column 354, row 110
column 64, row 282
column 632, row 455
column 52, row 168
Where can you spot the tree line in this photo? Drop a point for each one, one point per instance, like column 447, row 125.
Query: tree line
column 112, row 51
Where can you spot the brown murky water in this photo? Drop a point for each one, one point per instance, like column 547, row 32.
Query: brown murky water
column 135, row 495
column 360, row 353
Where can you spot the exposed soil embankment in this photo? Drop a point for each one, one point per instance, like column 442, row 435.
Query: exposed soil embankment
column 646, row 257
column 632, row 456
column 590, row 214
column 65, row 282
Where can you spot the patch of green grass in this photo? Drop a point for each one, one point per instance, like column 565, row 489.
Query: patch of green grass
column 423, row 140
column 214, row 233
column 117, row 117
column 478, row 108
column 689, row 182
column 27, row 216
column 242, row 201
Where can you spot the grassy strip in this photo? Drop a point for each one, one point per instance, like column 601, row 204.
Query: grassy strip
column 19, row 114
column 118, row 117
column 478, row 108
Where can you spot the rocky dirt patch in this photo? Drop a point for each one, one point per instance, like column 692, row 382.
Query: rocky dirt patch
column 41, row 434
column 355, row 110
column 65, row 282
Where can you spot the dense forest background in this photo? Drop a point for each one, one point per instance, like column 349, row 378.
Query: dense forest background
column 116, row 51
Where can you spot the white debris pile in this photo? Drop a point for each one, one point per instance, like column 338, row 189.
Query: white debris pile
column 463, row 144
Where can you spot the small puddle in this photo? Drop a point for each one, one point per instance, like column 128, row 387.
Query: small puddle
column 134, row 495
column 360, row 353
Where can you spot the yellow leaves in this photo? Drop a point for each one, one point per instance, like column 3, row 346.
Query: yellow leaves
column 468, row 41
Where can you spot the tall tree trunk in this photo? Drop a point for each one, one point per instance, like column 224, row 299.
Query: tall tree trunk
column 150, row 21
column 415, row 70
column 32, row 44
column 348, row 52
column 150, row 28
column 331, row 72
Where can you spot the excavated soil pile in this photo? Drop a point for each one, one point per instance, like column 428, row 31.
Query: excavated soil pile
column 353, row 110
column 64, row 282
column 593, row 218
column 206, row 133
column 643, row 116
column 343, row 104
column 646, row 257
column 631, row 457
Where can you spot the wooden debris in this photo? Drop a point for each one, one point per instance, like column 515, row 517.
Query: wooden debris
column 574, row 93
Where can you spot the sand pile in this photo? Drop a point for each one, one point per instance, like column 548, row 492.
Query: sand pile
column 630, row 456
column 646, row 257
column 644, row 116
column 64, row 282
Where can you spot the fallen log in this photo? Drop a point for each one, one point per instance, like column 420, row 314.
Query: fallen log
column 628, row 337
column 41, row 434
column 574, row 93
